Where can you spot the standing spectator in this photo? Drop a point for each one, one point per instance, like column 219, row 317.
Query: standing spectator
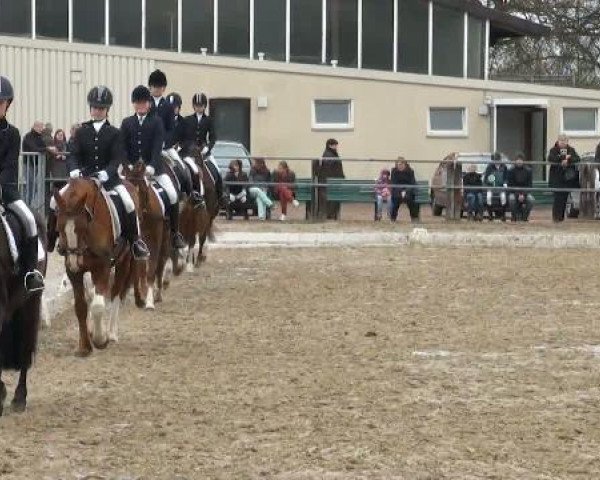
column 404, row 176
column 74, row 129
column 58, row 158
column 284, row 191
column 473, row 193
column 563, row 174
column 238, row 195
column 520, row 201
column 495, row 176
column 330, row 166
column 382, row 193
column 33, row 142
column 259, row 175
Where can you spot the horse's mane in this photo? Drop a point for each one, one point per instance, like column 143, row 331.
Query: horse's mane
column 77, row 194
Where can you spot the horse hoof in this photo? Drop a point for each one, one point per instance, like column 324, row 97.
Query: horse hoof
column 113, row 338
column 82, row 353
column 101, row 345
column 149, row 308
column 139, row 303
column 18, row 406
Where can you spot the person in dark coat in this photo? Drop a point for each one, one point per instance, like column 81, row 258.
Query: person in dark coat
column 564, row 173
column 329, row 166
column 495, row 176
column 473, row 193
column 238, row 194
column 521, row 201
column 404, row 176
column 33, row 142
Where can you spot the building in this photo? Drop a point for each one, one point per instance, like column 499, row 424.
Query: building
column 385, row 77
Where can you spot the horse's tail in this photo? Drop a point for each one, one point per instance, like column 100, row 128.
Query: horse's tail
column 18, row 338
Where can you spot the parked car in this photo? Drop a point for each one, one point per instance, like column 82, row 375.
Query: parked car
column 437, row 184
column 224, row 152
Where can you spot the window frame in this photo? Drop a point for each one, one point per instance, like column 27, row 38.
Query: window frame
column 333, row 126
column 464, row 133
column 580, row 133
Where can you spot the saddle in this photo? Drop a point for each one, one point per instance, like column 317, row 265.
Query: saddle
column 162, row 196
column 15, row 234
column 117, row 211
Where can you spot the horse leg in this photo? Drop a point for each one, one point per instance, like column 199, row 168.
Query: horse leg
column 81, row 310
column 126, row 272
column 19, row 401
column 100, row 305
column 2, row 394
column 201, row 257
column 160, row 268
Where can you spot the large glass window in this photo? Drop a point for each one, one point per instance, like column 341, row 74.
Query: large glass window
column 447, row 122
column 52, row 18
column 15, row 17
column 580, row 121
column 476, row 52
column 305, row 34
column 126, row 23
column 269, row 29
column 333, row 114
column 161, row 24
column 198, row 25
column 342, row 32
column 413, row 36
column 378, row 34
column 88, row 21
column 234, row 27
column 448, row 40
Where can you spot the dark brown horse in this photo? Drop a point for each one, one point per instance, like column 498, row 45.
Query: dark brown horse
column 155, row 230
column 19, row 320
column 86, row 239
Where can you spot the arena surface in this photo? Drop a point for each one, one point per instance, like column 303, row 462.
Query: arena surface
column 333, row 363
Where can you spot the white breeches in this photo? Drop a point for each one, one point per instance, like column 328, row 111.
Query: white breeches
column 125, row 198
column 21, row 210
column 165, row 182
column 192, row 164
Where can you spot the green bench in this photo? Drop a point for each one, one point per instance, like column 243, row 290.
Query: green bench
column 363, row 191
column 542, row 196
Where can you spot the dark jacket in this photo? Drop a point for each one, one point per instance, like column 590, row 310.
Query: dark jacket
column 403, row 177
column 198, row 133
column 259, row 178
column 519, row 177
column 144, row 141
column 563, row 177
column 495, row 175
column 236, row 189
column 178, row 130
column 34, row 142
column 10, row 145
column 472, row 179
column 289, row 178
column 93, row 152
column 165, row 112
column 329, row 168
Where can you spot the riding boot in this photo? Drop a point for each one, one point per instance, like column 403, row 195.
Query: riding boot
column 52, row 231
column 176, row 237
column 33, row 278
column 138, row 246
column 196, row 197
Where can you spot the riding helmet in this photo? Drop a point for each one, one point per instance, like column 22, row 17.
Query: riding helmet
column 157, row 79
column 175, row 99
column 100, row 97
column 199, row 100
column 6, row 89
column 141, row 94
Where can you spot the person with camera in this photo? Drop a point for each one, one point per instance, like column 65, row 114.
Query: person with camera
column 564, row 174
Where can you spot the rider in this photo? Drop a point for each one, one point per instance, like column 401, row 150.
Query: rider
column 10, row 145
column 98, row 152
column 143, row 136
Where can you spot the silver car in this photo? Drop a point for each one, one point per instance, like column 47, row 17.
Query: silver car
column 224, row 152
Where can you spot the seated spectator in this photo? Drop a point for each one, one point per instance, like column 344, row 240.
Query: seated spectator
column 495, row 176
column 403, row 175
column 473, row 196
column 521, row 202
column 382, row 193
column 238, row 196
column 284, row 191
column 259, row 175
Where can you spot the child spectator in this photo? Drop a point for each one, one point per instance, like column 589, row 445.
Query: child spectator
column 474, row 196
column 382, row 193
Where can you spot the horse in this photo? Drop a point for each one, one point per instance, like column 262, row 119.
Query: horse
column 19, row 319
column 86, row 239
column 155, row 230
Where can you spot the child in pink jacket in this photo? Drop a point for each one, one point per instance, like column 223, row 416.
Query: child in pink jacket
column 382, row 193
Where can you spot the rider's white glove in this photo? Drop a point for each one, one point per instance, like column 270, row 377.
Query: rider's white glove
column 103, row 176
column 75, row 173
column 231, row 197
column 205, row 150
column 150, row 170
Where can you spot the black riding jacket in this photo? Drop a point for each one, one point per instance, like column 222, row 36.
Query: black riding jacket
column 144, row 141
column 10, row 146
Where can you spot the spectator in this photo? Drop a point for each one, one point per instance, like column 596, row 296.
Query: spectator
column 382, row 193
column 495, row 176
column 329, row 167
column 473, row 195
column 58, row 158
column 563, row 174
column 284, row 191
column 74, row 129
column 238, row 196
column 521, row 201
column 403, row 175
column 259, row 175
column 47, row 134
column 33, row 142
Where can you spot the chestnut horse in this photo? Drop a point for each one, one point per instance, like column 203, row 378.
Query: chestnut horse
column 86, row 239
column 19, row 320
column 155, row 230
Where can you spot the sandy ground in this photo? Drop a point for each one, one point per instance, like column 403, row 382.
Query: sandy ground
column 386, row 363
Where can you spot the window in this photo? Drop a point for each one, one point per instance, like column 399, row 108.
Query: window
column 88, row 21
column 378, row 34
column 305, row 30
column 342, row 32
column 447, row 122
column 234, row 27
column 161, row 24
column 126, row 23
column 269, row 29
column 476, row 51
column 52, row 18
column 197, row 25
column 413, row 36
column 15, row 17
column 580, row 121
column 333, row 114
column 448, row 41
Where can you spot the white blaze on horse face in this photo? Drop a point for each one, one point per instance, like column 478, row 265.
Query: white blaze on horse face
column 71, row 245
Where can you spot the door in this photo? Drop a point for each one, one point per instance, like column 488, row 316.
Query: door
column 231, row 117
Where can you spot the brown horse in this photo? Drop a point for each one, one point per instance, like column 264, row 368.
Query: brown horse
column 86, row 239
column 155, row 230
column 19, row 320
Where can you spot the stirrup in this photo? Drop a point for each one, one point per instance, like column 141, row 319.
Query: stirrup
column 198, row 200
column 178, row 241
column 36, row 275
column 139, row 249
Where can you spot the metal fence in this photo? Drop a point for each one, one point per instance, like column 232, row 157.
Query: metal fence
column 32, row 181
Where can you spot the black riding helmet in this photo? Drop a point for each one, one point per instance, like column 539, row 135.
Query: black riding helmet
column 157, row 79
column 175, row 99
column 100, row 97
column 141, row 94
column 6, row 90
column 199, row 100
